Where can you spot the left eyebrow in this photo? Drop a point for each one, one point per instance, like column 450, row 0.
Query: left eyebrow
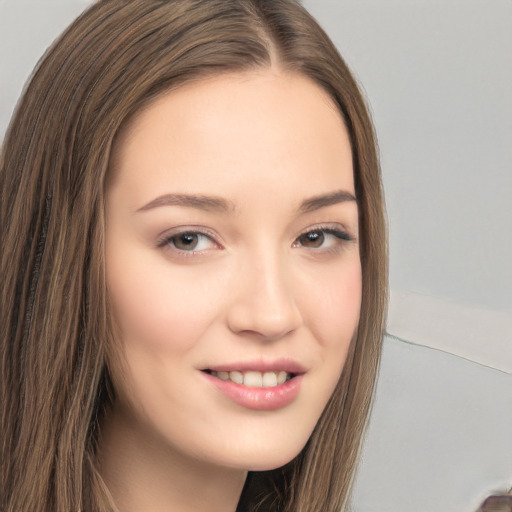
column 323, row 200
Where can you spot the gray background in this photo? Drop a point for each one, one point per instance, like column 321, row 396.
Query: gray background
column 438, row 76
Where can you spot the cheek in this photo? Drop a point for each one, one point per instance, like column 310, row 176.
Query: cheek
column 160, row 317
column 160, row 308
column 334, row 304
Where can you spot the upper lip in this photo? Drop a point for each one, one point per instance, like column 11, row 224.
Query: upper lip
column 260, row 365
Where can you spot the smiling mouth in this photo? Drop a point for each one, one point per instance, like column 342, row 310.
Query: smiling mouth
column 254, row 379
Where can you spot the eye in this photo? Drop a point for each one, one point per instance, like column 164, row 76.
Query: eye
column 189, row 241
column 322, row 238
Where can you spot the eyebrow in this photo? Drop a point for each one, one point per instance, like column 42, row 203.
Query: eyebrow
column 200, row 202
column 221, row 205
column 323, row 200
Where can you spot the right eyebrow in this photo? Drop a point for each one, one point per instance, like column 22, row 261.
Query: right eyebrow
column 323, row 200
column 197, row 201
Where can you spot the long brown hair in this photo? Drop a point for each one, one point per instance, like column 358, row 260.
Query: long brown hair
column 115, row 58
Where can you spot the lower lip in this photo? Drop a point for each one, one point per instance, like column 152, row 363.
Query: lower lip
column 258, row 399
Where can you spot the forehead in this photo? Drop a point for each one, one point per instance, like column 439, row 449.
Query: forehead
column 233, row 128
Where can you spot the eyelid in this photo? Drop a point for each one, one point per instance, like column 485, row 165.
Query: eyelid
column 332, row 228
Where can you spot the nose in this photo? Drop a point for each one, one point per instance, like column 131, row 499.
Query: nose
column 264, row 303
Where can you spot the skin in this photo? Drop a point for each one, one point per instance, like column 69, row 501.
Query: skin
column 254, row 288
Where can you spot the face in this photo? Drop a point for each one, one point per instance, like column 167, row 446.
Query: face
column 233, row 266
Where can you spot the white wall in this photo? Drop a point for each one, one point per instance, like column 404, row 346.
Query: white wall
column 438, row 75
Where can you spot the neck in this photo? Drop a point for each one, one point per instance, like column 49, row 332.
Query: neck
column 143, row 473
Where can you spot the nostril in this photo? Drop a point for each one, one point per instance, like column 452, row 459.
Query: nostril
column 266, row 308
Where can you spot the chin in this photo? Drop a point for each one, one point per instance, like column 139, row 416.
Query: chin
column 261, row 453
column 271, row 463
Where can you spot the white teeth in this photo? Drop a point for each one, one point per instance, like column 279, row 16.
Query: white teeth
column 281, row 377
column 269, row 379
column 254, row 379
column 237, row 377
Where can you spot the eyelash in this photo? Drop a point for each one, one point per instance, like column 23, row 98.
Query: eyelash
column 341, row 236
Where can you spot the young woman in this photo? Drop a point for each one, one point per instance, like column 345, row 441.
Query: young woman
column 194, row 265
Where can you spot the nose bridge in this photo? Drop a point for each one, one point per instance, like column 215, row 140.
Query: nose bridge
column 265, row 303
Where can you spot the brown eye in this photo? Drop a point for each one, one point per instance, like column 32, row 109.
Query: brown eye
column 188, row 243
column 323, row 239
column 185, row 241
column 312, row 239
